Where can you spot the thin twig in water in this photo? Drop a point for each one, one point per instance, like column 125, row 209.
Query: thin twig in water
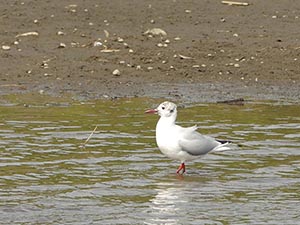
column 86, row 141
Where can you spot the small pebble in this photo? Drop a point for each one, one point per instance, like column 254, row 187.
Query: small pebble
column 116, row 72
column 97, row 44
column 60, row 33
column 45, row 65
column 62, row 45
column 160, row 45
column 6, row 47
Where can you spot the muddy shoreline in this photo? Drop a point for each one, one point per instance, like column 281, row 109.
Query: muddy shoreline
column 210, row 51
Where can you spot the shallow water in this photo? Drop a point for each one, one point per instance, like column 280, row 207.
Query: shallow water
column 120, row 177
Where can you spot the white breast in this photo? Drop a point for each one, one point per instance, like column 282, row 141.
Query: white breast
column 167, row 141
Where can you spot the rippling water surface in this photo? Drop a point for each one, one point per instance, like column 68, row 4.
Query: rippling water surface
column 120, row 177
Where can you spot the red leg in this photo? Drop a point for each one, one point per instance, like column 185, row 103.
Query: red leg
column 181, row 167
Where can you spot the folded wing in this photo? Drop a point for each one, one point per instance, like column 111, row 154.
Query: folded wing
column 195, row 143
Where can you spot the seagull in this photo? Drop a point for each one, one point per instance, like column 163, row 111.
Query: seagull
column 181, row 143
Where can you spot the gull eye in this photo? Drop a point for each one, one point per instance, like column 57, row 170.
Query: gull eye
column 163, row 108
column 172, row 110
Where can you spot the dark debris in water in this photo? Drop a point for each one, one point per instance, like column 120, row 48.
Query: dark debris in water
column 238, row 101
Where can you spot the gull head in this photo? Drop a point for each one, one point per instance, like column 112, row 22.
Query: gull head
column 165, row 109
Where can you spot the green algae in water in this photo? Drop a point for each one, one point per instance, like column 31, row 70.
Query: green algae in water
column 121, row 177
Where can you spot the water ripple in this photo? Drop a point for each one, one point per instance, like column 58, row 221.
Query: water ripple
column 120, row 177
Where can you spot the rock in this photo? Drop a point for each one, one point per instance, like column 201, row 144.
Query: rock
column 156, row 32
column 116, row 72
column 62, row 45
column 60, row 33
column 119, row 39
column 97, row 44
column 6, row 47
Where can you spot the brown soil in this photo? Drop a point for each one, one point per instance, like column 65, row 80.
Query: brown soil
column 212, row 51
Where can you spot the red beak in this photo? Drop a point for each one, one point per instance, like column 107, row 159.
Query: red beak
column 152, row 111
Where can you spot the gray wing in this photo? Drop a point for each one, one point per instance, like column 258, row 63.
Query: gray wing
column 195, row 143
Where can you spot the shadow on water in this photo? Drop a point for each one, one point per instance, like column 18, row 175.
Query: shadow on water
column 120, row 177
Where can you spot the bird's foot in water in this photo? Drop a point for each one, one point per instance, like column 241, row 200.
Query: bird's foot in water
column 181, row 168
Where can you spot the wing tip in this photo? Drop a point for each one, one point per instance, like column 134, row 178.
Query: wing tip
column 223, row 146
column 223, row 142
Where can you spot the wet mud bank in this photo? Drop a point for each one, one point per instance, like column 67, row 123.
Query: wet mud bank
column 199, row 51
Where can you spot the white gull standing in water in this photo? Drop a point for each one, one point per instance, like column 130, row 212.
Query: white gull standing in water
column 181, row 143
